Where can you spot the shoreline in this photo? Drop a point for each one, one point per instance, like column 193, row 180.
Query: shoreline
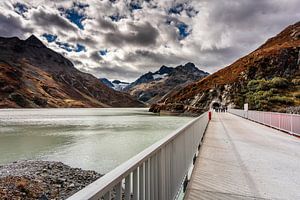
column 45, row 180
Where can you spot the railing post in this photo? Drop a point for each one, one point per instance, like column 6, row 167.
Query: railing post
column 147, row 180
column 141, row 182
column 161, row 177
column 128, row 187
column 279, row 121
column 107, row 196
column 118, row 189
column 135, row 185
column 292, row 124
column 152, row 178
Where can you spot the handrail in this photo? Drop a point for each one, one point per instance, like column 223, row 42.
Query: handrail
column 155, row 173
column 283, row 121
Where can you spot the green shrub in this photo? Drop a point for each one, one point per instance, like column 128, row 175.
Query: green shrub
column 258, row 85
column 262, row 94
column 262, row 105
column 263, row 85
column 252, row 85
column 282, row 100
column 278, row 82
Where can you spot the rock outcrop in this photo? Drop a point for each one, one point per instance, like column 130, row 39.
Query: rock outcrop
column 28, row 180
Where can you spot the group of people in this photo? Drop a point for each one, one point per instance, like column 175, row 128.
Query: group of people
column 221, row 109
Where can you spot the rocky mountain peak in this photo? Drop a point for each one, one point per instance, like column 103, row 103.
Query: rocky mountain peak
column 165, row 70
column 34, row 41
column 189, row 67
column 189, row 64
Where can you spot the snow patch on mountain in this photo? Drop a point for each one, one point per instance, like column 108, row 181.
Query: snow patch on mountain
column 159, row 76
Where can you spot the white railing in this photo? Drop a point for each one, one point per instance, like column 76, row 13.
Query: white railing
column 286, row 122
column 156, row 173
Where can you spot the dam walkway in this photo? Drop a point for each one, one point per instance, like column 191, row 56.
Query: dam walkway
column 242, row 159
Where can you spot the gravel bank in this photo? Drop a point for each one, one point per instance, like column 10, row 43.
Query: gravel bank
column 43, row 180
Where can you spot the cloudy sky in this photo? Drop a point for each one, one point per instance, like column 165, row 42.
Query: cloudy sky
column 122, row 39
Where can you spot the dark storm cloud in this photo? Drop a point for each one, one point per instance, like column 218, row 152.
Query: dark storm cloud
column 43, row 18
column 87, row 40
column 95, row 56
column 12, row 26
column 140, row 35
column 113, row 71
column 151, row 57
column 107, row 25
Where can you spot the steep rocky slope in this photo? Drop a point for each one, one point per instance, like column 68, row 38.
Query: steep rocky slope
column 151, row 87
column 32, row 75
column 267, row 79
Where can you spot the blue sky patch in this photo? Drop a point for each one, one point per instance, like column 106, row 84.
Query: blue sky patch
column 64, row 45
column 20, row 8
column 68, row 47
column 134, row 6
column 177, row 9
column 75, row 14
column 103, row 52
column 117, row 17
column 79, row 48
column 50, row 37
column 183, row 30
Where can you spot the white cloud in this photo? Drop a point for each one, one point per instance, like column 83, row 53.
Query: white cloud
column 139, row 40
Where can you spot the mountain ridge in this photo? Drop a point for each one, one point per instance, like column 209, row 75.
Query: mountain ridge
column 33, row 75
column 153, row 85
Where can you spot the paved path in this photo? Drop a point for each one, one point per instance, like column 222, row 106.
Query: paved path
column 241, row 159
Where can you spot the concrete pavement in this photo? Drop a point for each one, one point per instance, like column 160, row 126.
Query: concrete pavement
column 240, row 159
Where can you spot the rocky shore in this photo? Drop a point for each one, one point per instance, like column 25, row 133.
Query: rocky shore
column 43, row 180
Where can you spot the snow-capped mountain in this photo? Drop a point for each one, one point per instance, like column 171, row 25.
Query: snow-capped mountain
column 119, row 85
column 153, row 85
column 116, row 84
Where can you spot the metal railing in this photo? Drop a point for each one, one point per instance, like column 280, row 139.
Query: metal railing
column 157, row 173
column 283, row 121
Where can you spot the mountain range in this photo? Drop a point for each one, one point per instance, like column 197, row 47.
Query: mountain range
column 267, row 79
column 32, row 75
column 152, row 86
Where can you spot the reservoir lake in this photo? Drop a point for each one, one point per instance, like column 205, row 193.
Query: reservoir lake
column 97, row 139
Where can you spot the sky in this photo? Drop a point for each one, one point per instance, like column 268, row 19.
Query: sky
column 123, row 39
